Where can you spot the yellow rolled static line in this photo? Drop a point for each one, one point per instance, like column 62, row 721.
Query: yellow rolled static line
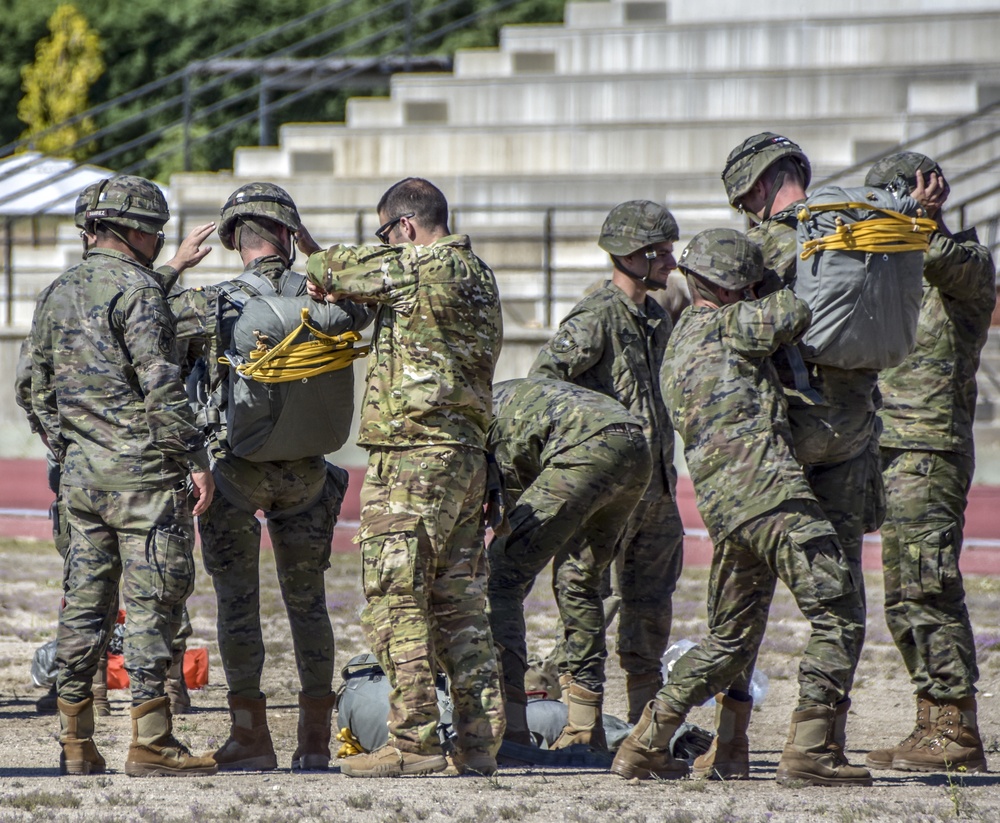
column 349, row 743
column 288, row 360
column 895, row 232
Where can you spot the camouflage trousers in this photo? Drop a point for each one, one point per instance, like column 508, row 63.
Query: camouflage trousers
column 646, row 567
column 835, row 447
column 921, row 544
column 424, row 578
column 573, row 514
column 301, row 501
column 145, row 539
column 797, row 545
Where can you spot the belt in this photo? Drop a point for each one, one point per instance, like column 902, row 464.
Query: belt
column 622, row 428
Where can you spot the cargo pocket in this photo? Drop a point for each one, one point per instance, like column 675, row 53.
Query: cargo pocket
column 390, row 564
column 828, row 570
column 928, row 562
column 170, row 562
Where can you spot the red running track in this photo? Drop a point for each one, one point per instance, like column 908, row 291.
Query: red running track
column 25, row 499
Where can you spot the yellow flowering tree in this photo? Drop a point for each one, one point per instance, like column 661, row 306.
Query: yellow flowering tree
column 67, row 63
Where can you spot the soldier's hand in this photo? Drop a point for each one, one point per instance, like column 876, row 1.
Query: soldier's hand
column 203, row 491
column 315, row 291
column 305, row 241
column 930, row 192
column 191, row 252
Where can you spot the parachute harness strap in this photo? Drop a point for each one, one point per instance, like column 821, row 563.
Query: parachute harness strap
column 895, row 232
column 288, row 360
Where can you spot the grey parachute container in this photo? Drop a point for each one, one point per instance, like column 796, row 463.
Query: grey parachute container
column 865, row 304
column 289, row 420
column 363, row 703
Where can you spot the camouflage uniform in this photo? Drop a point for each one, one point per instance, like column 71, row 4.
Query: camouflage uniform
column 928, row 459
column 725, row 398
column 301, row 501
column 424, row 419
column 574, row 463
column 610, row 345
column 107, row 395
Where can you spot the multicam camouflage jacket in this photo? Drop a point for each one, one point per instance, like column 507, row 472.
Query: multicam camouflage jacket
column 610, row 345
column 435, row 343
column 727, row 404
column 536, row 418
column 105, row 386
column 930, row 398
column 839, row 388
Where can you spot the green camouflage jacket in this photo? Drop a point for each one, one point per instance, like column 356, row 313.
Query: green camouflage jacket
column 105, row 386
column 840, row 388
column 435, row 342
column 536, row 418
column 610, row 345
column 727, row 404
column 929, row 400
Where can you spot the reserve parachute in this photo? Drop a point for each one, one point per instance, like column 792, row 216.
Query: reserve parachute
column 860, row 270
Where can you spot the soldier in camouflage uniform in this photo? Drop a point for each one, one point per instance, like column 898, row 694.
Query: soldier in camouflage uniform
column 831, row 411
column 300, row 498
column 929, row 402
column 575, row 463
column 110, row 406
column 612, row 342
column 426, row 411
column 726, row 400
column 189, row 253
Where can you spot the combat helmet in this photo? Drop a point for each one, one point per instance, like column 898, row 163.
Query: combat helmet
column 723, row 257
column 126, row 202
column 899, row 171
column 264, row 200
column 751, row 158
column 636, row 224
column 83, row 200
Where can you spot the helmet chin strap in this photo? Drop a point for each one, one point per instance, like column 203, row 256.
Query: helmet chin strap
column 779, row 181
column 139, row 256
column 646, row 280
column 288, row 255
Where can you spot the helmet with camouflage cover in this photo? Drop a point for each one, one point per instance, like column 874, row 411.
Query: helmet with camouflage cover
column 82, row 204
column 723, row 257
column 900, row 171
column 636, row 224
column 257, row 200
column 127, row 202
column 751, row 158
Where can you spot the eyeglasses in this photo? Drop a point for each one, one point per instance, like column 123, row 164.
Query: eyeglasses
column 382, row 233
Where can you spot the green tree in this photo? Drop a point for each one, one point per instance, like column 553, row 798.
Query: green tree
column 67, row 63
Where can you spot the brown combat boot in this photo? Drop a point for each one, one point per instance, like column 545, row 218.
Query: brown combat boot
column 645, row 753
column 586, row 723
column 813, row 757
column 102, row 708
column 313, row 750
column 175, row 686
column 388, row 761
column 954, row 743
column 249, row 746
column 927, row 712
column 516, row 709
column 475, row 762
column 728, row 758
column 641, row 688
column 76, row 734
column 155, row 751
column 565, row 681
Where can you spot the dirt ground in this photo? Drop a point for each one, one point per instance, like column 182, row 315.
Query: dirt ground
column 882, row 713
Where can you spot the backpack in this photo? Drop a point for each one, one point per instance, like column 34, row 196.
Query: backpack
column 289, row 392
column 860, row 269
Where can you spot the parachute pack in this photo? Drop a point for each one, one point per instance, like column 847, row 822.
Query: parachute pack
column 290, row 392
column 860, row 269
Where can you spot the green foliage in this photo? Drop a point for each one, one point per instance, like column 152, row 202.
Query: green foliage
column 67, row 63
column 144, row 41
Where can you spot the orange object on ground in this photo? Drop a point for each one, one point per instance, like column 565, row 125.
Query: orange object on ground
column 195, row 670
